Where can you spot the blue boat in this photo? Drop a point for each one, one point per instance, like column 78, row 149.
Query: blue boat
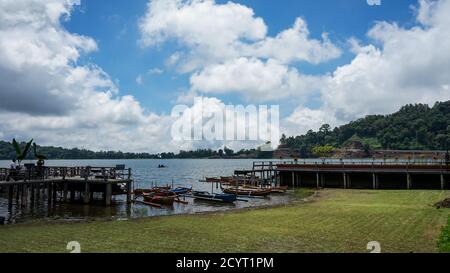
column 216, row 197
column 181, row 190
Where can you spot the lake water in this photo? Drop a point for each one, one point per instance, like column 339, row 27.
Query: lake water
column 180, row 172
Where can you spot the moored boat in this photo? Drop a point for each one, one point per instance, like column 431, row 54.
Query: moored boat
column 181, row 190
column 216, row 197
column 247, row 191
column 213, row 180
column 158, row 199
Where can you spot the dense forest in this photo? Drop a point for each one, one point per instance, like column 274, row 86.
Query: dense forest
column 413, row 127
column 7, row 152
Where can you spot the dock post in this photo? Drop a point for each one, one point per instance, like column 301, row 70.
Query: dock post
column 408, row 181
column 317, row 179
column 108, row 194
column 345, row 180
column 49, row 193
column 17, row 193
column 65, row 192
column 442, row 182
column 72, row 196
column 54, row 192
column 24, row 195
column 128, row 192
column 293, row 180
column 32, row 187
column 87, row 193
column 374, row 181
column 10, row 195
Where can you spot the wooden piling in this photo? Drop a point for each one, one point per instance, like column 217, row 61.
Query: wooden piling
column 129, row 192
column 72, row 196
column 49, row 193
column 317, row 180
column 108, row 194
column 408, row 181
column 442, row 182
column 87, row 193
column 10, row 194
column 374, row 181
column 65, row 192
column 345, row 180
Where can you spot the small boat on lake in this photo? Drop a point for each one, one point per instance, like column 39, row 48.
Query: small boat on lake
column 213, row 180
column 181, row 190
column 247, row 191
column 281, row 189
column 225, row 198
column 159, row 199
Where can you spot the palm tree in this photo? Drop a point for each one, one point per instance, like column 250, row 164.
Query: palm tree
column 21, row 154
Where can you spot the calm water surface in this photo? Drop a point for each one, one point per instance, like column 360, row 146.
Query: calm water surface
column 180, row 172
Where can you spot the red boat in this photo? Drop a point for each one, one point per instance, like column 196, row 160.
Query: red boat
column 213, row 180
column 158, row 199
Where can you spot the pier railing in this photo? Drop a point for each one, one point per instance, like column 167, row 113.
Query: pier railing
column 28, row 173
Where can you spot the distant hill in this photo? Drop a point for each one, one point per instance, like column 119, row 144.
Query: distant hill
column 413, row 127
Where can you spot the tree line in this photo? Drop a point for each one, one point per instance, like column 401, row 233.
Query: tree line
column 413, row 127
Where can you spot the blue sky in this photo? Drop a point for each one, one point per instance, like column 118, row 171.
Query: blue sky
column 114, row 26
column 105, row 75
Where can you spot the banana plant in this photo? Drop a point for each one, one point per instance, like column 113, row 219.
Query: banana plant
column 21, row 154
column 38, row 156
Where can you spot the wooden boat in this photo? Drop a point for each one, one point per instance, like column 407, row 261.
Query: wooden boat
column 181, row 190
column 247, row 192
column 154, row 189
column 203, row 195
column 141, row 191
column 281, row 189
column 159, row 199
column 213, row 180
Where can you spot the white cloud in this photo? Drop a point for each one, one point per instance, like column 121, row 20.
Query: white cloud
column 294, row 44
column 47, row 96
column 215, row 33
column 410, row 65
column 155, row 71
column 255, row 79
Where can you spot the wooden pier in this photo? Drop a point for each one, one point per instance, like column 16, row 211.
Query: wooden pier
column 352, row 174
column 65, row 184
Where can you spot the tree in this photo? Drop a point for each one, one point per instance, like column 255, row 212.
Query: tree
column 323, row 151
column 21, row 154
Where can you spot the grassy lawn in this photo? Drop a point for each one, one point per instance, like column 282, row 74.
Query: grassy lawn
column 335, row 221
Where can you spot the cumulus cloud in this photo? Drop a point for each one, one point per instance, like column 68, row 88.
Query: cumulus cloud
column 46, row 95
column 400, row 66
column 256, row 79
column 215, row 33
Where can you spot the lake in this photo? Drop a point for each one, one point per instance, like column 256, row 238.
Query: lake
column 180, row 172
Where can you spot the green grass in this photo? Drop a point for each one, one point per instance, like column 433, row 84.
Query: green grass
column 444, row 239
column 335, row 221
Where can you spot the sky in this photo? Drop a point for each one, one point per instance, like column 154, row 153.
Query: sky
column 106, row 75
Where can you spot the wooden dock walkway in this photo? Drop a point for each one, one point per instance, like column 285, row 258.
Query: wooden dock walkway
column 352, row 174
column 65, row 183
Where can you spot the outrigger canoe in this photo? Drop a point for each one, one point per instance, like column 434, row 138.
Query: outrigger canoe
column 213, row 180
column 225, row 198
column 247, row 192
column 181, row 190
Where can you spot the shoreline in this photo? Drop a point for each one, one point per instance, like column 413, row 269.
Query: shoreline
column 293, row 200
